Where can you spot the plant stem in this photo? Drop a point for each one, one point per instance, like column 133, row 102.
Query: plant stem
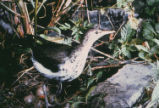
column 35, row 16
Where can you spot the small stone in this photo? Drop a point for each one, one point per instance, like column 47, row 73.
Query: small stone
column 29, row 99
column 40, row 92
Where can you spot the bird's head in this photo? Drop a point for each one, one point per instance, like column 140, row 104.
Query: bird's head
column 95, row 34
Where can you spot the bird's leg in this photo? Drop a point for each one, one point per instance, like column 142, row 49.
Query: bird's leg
column 45, row 94
column 59, row 90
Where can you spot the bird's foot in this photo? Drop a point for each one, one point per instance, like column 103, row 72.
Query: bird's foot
column 59, row 90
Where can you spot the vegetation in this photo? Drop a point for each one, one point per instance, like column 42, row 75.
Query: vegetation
column 137, row 38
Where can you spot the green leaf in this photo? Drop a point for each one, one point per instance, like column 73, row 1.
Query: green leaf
column 55, row 29
column 147, row 34
column 156, row 41
column 148, row 31
column 142, row 55
column 77, row 37
column 83, row 89
column 85, row 24
column 90, row 82
column 150, row 11
column 126, row 33
column 99, row 75
column 75, row 30
column 154, row 50
column 43, row 36
column 89, row 72
column 88, row 95
column 123, row 3
column 68, row 25
column 155, row 94
column 142, row 48
column 80, row 32
column 154, row 97
column 157, row 27
column 90, row 25
column 125, row 52
column 150, row 2
column 76, row 104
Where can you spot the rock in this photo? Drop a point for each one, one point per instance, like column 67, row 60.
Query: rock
column 30, row 99
column 125, row 87
column 110, row 19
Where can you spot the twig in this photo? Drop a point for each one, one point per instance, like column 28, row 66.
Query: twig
column 119, row 63
column 105, row 66
column 10, row 10
column 23, row 72
column 44, row 13
column 99, row 21
column 45, row 94
column 101, row 43
column 77, row 8
column 66, row 100
column 41, row 5
column 119, row 29
column 26, row 19
column 107, row 55
column 110, row 21
column 87, row 12
column 35, row 17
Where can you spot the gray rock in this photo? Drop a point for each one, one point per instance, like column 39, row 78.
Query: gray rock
column 125, row 87
column 109, row 19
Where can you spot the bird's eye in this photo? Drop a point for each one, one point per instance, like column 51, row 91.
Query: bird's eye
column 96, row 32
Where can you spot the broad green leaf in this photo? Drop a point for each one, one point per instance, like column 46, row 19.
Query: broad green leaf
column 148, row 26
column 148, row 31
column 126, row 33
column 125, row 52
column 145, row 56
column 148, row 35
column 140, row 47
column 123, row 34
column 142, row 55
column 154, row 50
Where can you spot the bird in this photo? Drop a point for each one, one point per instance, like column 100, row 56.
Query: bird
column 63, row 62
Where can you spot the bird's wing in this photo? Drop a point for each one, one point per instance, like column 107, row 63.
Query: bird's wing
column 51, row 54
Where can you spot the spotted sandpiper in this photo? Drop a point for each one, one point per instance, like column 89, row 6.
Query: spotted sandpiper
column 62, row 62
